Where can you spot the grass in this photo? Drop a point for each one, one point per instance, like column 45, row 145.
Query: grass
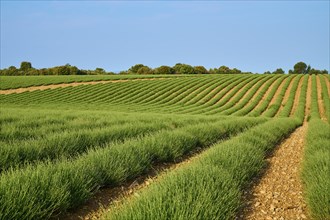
column 315, row 174
column 12, row 82
column 33, row 187
column 209, row 187
column 59, row 146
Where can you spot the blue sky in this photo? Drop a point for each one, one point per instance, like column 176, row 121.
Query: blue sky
column 250, row 35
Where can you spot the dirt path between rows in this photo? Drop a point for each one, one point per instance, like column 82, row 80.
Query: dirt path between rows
column 95, row 207
column 228, row 93
column 319, row 99
column 327, row 82
column 278, row 194
column 264, row 97
column 286, row 96
column 297, row 96
column 278, row 91
column 308, row 98
column 62, row 85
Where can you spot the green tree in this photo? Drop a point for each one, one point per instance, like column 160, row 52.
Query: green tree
column 134, row 69
column 324, row 72
column 224, row 70
column 145, row 70
column 200, row 70
column 300, row 68
column 314, row 71
column 99, row 71
column 25, row 66
column 164, row 70
column 235, row 71
column 279, row 71
column 267, row 72
column 184, row 69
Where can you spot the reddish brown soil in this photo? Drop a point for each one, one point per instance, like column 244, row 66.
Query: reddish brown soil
column 55, row 86
column 278, row 193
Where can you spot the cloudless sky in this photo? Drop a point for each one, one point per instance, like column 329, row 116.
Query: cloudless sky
column 249, row 35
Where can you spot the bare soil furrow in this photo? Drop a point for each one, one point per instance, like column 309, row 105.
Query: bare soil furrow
column 62, row 85
column 297, row 96
column 278, row 91
column 266, row 94
column 278, row 193
column 286, row 97
column 107, row 197
column 308, row 98
column 319, row 99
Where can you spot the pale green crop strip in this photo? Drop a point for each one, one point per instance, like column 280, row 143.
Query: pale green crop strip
column 316, row 169
column 230, row 81
column 245, row 96
column 194, row 95
column 214, row 96
column 248, row 108
column 325, row 97
column 70, row 144
column 37, row 192
column 215, row 83
column 158, row 90
column 209, row 187
column 315, row 113
column 261, row 108
column 137, row 89
column 189, row 101
column 221, row 100
column 286, row 110
column 148, row 93
column 272, row 109
column 233, row 97
column 12, row 82
column 168, row 94
column 300, row 110
column 182, row 93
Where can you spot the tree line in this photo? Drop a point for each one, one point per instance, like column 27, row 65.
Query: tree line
column 26, row 69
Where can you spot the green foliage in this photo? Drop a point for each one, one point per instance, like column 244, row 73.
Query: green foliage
column 184, row 69
column 164, row 70
column 145, row 71
column 66, row 143
column 25, row 66
column 315, row 173
column 134, row 69
column 200, row 70
column 279, row 71
column 300, row 68
column 211, row 186
column 40, row 190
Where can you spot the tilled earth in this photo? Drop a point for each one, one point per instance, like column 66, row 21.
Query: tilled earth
column 277, row 195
